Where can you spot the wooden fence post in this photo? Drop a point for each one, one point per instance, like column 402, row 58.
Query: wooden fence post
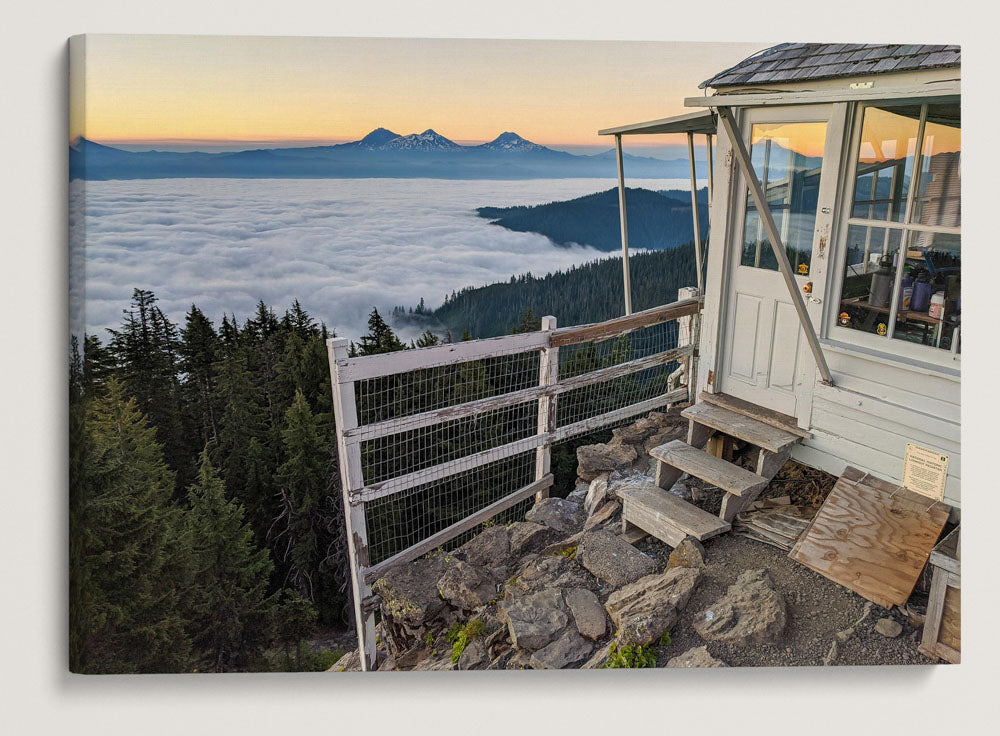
column 688, row 334
column 548, row 375
column 351, row 479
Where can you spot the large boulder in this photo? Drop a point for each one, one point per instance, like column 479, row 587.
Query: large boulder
column 559, row 514
column 566, row 651
column 467, row 586
column 591, row 621
column 689, row 553
column 545, row 573
column 535, row 620
column 592, row 460
column 527, row 537
column 635, row 433
column 695, row 657
column 490, row 548
column 612, row 559
column 750, row 611
column 409, row 593
column 647, row 608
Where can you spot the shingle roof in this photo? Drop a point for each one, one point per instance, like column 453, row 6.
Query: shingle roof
column 794, row 61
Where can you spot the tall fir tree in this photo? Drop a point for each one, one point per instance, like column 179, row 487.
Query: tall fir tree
column 232, row 613
column 130, row 568
column 199, row 353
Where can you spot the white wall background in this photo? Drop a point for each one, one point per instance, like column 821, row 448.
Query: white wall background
column 37, row 693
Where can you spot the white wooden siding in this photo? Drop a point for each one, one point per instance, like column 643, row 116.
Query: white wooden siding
column 873, row 410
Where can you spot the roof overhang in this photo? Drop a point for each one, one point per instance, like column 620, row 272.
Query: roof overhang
column 860, row 90
column 702, row 121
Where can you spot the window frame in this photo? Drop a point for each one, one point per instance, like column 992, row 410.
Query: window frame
column 885, row 345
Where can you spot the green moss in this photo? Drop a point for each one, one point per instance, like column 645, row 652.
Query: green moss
column 631, row 656
column 664, row 639
column 569, row 553
column 459, row 636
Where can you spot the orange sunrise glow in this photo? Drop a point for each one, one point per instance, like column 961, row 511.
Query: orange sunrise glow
column 233, row 88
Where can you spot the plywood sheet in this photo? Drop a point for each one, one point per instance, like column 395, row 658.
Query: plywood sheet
column 872, row 537
column 950, row 633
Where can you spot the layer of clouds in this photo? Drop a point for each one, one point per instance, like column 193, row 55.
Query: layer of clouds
column 340, row 246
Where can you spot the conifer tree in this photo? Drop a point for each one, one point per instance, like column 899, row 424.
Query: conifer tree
column 380, row 337
column 232, row 614
column 129, row 564
column 199, row 353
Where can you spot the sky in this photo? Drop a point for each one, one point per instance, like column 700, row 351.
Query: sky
column 208, row 90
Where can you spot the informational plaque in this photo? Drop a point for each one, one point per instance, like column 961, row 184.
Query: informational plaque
column 925, row 471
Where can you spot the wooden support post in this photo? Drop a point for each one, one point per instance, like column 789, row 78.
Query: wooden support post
column 351, row 479
column 711, row 172
column 742, row 157
column 548, row 375
column 695, row 216
column 688, row 329
column 623, row 216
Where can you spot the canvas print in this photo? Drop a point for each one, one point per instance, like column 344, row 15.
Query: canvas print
column 441, row 354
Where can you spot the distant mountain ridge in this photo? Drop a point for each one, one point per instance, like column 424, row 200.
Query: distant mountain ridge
column 381, row 153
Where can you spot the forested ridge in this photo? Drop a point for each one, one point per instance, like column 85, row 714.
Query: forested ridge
column 590, row 292
column 657, row 220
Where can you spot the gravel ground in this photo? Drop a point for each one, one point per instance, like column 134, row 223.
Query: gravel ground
column 817, row 610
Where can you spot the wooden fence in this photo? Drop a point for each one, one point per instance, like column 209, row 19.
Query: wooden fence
column 535, row 357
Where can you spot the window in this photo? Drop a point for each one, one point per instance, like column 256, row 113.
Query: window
column 902, row 279
column 788, row 159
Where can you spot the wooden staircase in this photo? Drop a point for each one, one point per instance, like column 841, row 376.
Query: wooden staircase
column 716, row 420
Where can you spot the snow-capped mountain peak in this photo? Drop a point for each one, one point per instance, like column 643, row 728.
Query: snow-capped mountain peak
column 508, row 141
column 429, row 140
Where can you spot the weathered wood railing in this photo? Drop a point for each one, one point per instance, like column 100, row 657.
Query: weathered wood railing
column 389, row 373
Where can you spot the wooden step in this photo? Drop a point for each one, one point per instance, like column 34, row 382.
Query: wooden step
column 740, row 426
column 730, row 478
column 760, row 413
column 666, row 516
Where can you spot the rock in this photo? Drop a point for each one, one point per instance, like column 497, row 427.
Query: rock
column 409, row 592
column 545, row 573
column 602, row 516
column 663, row 437
column 473, row 657
column 350, row 662
column 567, row 650
column 535, row 620
column 689, row 553
column 527, row 537
column 612, row 559
column 598, row 658
column 559, row 514
column 466, row 586
column 563, row 547
column 650, row 606
column 519, row 661
column 597, row 491
column 592, row 460
column 579, row 492
column 587, row 611
column 635, row 433
column 889, row 628
column 696, row 657
column 491, row 548
column 750, row 611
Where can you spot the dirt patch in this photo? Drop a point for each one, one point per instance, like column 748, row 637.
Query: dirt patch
column 817, row 610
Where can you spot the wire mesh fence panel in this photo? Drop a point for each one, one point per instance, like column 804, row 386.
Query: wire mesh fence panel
column 585, row 357
column 402, row 520
column 387, row 398
column 601, row 397
column 406, row 452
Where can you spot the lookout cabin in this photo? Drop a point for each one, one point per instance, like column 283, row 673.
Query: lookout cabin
column 832, row 273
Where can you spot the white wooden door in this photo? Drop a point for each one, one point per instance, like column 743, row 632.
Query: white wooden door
column 795, row 152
